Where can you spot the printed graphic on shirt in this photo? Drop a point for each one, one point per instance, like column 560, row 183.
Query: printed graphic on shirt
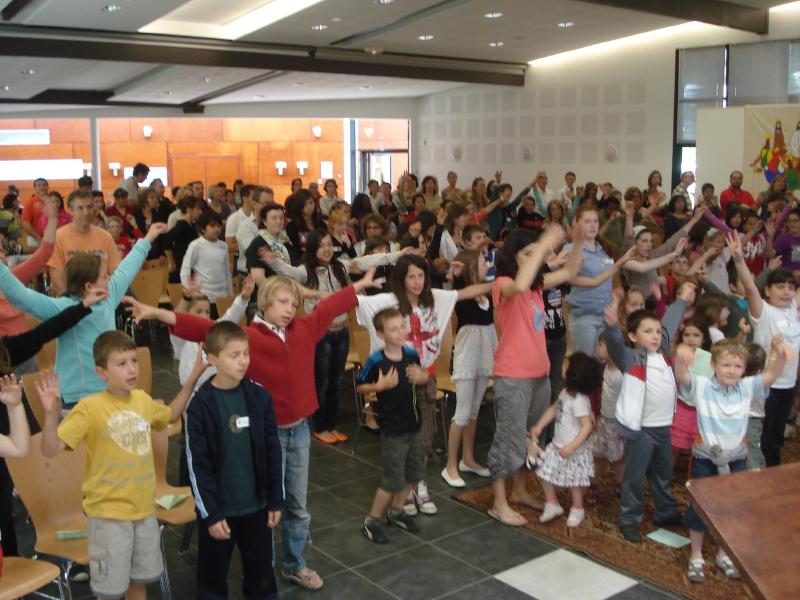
column 538, row 317
column 554, row 316
column 423, row 333
column 130, row 432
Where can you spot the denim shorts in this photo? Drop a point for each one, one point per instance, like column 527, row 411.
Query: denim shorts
column 703, row 467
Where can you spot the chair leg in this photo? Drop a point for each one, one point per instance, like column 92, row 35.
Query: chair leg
column 187, row 537
column 359, row 421
column 443, row 413
column 63, row 580
column 63, row 588
column 166, row 591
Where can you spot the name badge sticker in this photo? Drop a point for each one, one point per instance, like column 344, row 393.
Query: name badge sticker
column 242, row 422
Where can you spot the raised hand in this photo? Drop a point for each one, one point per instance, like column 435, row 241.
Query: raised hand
column 387, row 381
column 744, row 326
column 679, row 249
column 685, row 354
column 734, row 243
column 498, row 176
column 631, row 252
column 366, row 282
column 200, row 365
column 141, row 312
column 49, row 392
column 248, row 285
column 193, row 289
column 10, row 390
column 156, row 229
column 266, row 255
column 51, row 208
column 94, row 295
column 776, row 262
column 687, row 292
column 131, row 221
column 552, row 237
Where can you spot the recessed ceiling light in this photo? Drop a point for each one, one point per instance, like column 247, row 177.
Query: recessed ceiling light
column 337, row 19
column 319, row 27
column 258, row 97
column 205, row 79
column 495, row 44
column 384, row 2
column 27, row 72
column 373, row 51
column 493, row 15
column 425, row 37
column 566, row 24
column 111, row 8
column 298, row 83
column 6, row 88
column 167, row 93
column 365, row 87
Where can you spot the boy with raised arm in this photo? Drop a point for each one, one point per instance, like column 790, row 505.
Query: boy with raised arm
column 119, row 475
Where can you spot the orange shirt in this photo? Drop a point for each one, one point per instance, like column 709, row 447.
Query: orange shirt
column 96, row 241
column 32, row 212
column 522, row 351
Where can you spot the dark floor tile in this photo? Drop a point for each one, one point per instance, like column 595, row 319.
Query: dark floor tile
column 336, row 469
column 493, row 547
column 345, row 543
column 644, row 592
column 423, row 572
column 452, row 517
column 488, row 588
column 326, row 509
column 346, row 585
column 359, row 492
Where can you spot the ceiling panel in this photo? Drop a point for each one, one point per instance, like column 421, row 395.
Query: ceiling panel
column 527, row 29
column 178, row 84
column 28, row 77
column 326, row 86
column 89, row 14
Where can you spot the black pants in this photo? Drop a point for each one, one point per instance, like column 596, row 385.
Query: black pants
column 329, row 361
column 254, row 539
column 776, row 412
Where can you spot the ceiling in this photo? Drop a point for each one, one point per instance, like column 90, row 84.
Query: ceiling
column 191, row 53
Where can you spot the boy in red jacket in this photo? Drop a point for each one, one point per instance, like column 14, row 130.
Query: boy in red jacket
column 281, row 359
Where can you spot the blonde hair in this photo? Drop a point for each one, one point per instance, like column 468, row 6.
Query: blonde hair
column 732, row 347
column 268, row 289
column 183, row 192
column 336, row 215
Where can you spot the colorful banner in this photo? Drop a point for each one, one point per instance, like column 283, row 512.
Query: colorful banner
column 771, row 146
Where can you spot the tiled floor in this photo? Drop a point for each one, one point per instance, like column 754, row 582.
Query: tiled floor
column 459, row 553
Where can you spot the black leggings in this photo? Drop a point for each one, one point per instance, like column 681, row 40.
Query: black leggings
column 776, row 413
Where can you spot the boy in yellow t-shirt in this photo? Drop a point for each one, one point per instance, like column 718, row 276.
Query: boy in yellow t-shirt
column 119, row 475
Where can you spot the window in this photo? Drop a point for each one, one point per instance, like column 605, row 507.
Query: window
column 701, row 84
column 758, row 73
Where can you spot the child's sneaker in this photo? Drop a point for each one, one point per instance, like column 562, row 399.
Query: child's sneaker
column 725, row 564
column 423, row 500
column 409, row 506
column 550, row 512
column 696, row 570
column 373, row 531
column 402, row 521
column 576, row 517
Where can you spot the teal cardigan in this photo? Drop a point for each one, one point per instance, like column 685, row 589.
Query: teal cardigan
column 74, row 359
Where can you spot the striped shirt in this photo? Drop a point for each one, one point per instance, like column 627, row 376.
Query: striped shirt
column 722, row 411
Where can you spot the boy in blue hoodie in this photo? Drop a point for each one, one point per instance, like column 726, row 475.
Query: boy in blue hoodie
column 234, row 457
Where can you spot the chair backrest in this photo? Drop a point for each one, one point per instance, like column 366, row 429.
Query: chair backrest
column 445, row 353
column 360, row 339
column 145, row 369
column 175, row 293
column 29, row 387
column 148, row 285
column 50, row 488
column 160, row 441
column 224, row 303
column 46, row 357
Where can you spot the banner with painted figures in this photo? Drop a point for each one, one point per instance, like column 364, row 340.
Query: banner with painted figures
column 771, row 147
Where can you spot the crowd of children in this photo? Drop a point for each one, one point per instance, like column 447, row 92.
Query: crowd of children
column 567, row 304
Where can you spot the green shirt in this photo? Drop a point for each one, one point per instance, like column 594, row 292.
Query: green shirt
column 237, row 488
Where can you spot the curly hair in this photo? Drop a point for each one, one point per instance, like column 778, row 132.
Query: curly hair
column 583, row 374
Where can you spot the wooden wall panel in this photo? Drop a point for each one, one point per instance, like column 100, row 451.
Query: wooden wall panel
column 387, row 134
column 188, row 130
column 65, row 130
column 128, row 154
column 17, row 124
column 114, row 130
column 286, row 130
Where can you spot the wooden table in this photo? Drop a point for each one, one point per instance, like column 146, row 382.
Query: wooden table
column 755, row 516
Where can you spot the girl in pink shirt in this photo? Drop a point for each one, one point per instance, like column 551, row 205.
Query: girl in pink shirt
column 521, row 364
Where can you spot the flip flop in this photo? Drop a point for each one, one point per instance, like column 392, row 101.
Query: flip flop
column 512, row 518
column 307, row 578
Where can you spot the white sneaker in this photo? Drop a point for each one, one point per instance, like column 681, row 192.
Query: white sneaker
column 423, row 498
column 550, row 512
column 576, row 517
column 409, row 506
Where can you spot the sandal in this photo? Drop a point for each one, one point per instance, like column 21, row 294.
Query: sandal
column 307, row 578
column 511, row 518
column 725, row 564
column 696, row 571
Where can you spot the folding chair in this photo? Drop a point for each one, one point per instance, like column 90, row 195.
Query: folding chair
column 182, row 514
column 224, row 303
column 175, row 293
column 359, row 340
column 23, row 576
column 147, row 286
column 50, row 488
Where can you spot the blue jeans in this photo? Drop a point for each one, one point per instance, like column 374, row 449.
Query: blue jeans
column 295, row 521
column 585, row 329
column 329, row 361
column 703, row 467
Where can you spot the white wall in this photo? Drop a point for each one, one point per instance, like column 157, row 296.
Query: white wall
column 571, row 110
column 720, row 144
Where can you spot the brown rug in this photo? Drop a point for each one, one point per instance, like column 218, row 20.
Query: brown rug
column 599, row 536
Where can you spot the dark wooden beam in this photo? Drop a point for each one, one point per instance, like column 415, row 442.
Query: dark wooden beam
column 713, row 12
column 81, row 98
column 192, row 104
column 157, row 49
column 13, row 8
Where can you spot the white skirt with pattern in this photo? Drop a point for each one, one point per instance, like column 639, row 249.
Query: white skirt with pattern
column 474, row 352
column 575, row 471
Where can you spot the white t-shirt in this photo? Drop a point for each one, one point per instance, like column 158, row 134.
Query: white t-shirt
column 245, row 235
column 210, row 261
column 173, row 218
column 547, row 195
column 232, row 224
column 718, row 272
column 563, row 194
column 612, row 384
column 660, row 393
column 783, row 321
column 426, row 325
column 568, row 424
column 716, row 335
